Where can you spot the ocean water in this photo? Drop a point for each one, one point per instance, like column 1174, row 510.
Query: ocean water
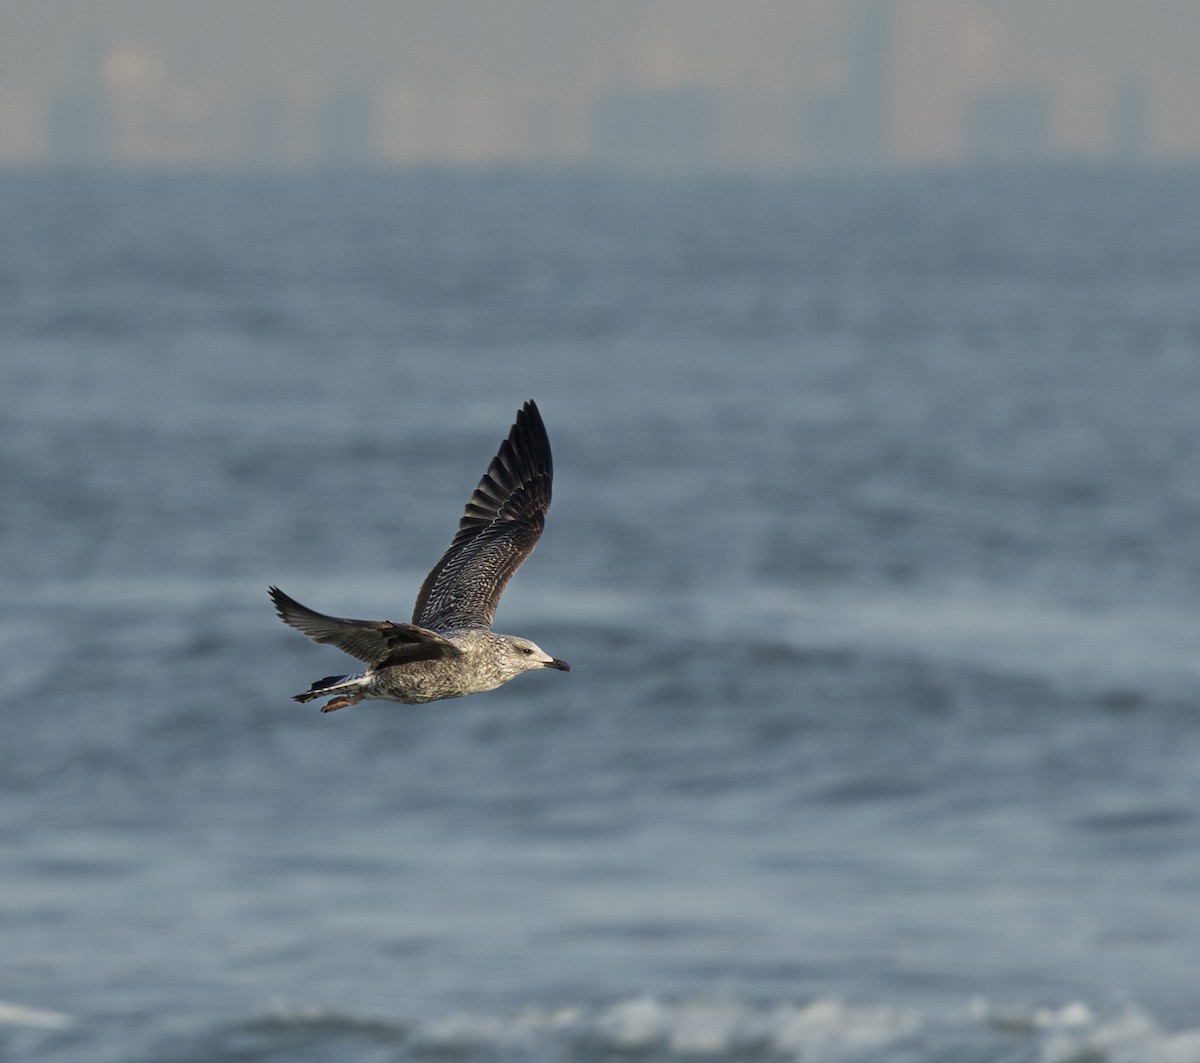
column 875, row 549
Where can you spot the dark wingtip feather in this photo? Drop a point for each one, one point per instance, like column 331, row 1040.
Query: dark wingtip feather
column 530, row 440
column 505, row 515
column 281, row 602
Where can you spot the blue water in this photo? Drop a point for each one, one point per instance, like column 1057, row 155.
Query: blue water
column 875, row 549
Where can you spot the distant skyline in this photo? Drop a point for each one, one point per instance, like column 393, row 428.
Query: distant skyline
column 757, row 85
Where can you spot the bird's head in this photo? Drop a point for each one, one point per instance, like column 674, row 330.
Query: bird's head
column 522, row 655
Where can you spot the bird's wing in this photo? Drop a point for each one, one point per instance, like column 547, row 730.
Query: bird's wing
column 372, row 641
column 499, row 529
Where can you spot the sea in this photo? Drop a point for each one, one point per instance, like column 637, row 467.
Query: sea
column 875, row 551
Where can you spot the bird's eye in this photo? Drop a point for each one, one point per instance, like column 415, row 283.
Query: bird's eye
column 527, row 651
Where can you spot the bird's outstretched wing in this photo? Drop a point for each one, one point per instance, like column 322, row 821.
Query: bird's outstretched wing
column 373, row 641
column 499, row 529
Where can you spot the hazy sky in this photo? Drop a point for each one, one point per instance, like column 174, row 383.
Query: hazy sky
column 281, row 41
column 560, row 53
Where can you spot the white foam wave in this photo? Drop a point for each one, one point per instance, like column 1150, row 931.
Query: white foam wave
column 825, row 1029
column 1073, row 1034
column 822, row 1031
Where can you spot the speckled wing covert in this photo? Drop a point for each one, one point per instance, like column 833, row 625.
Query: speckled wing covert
column 372, row 641
column 499, row 529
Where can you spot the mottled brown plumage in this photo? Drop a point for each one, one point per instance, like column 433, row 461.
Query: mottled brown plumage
column 450, row 649
column 498, row 530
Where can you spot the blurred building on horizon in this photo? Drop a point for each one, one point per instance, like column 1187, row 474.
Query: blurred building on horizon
column 875, row 85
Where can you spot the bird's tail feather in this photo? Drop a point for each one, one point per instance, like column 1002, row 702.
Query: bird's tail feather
column 331, row 684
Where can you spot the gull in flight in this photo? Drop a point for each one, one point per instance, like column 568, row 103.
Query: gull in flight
column 450, row 649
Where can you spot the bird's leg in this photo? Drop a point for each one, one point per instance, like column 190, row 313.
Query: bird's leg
column 341, row 702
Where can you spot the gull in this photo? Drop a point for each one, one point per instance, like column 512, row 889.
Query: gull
column 450, row 649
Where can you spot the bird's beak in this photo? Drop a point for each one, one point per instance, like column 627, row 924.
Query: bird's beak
column 562, row 666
